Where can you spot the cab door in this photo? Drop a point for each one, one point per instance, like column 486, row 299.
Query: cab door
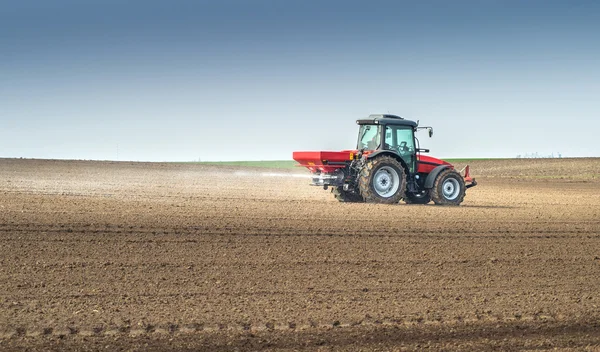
column 400, row 139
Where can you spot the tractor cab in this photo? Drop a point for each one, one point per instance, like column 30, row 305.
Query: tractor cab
column 388, row 133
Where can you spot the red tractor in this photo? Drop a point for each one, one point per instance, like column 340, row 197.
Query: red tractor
column 387, row 167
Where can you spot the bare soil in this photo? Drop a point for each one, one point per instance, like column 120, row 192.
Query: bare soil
column 151, row 256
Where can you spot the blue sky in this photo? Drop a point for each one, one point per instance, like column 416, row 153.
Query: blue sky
column 239, row 80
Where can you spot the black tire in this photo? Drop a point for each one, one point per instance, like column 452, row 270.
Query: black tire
column 448, row 188
column 422, row 197
column 382, row 180
column 346, row 196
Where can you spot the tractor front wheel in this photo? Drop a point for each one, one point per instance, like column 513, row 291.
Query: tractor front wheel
column 346, row 196
column 448, row 188
column 382, row 180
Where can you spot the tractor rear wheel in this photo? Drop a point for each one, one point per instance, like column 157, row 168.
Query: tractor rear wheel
column 346, row 196
column 422, row 197
column 382, row 180
column 448, row 188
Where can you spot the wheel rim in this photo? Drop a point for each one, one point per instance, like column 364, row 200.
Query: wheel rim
column 386, row 181
column 451, row 189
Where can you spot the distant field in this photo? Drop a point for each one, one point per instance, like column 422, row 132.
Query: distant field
column 565, row 168
column 288, row 164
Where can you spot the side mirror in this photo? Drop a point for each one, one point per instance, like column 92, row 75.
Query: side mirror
column 430, row 132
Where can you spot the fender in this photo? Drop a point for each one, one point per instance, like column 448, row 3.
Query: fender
column 392, row 154
column 433, row 175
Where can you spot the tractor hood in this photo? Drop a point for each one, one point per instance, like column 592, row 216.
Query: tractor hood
column 427, row 163
column 431, row 160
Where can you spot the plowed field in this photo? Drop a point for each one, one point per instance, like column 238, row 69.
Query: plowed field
column 136, row 256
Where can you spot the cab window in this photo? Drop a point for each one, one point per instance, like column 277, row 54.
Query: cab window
column 400, row 140
column 368, row 137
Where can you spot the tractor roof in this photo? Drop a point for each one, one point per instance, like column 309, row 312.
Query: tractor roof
column 386, row 119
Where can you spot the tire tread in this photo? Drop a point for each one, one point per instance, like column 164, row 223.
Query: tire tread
column 437, row 192
column 345, row 196
column 366, row 174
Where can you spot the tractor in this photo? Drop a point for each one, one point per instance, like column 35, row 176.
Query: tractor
column 386, row 167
